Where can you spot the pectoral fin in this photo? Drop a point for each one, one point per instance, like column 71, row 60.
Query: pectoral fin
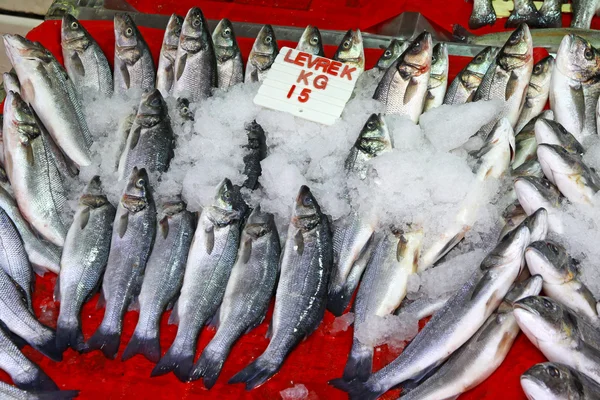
column 411, row 90
column 180, row 65
column 511, row 85
column 77, row 64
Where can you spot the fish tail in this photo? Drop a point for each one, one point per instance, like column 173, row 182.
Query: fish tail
column 360, row 362
column 356, row 389
column 106, row 341
column 149, row 347
column 338, row 300
column 179, row 359
column 40, row 383
column 257, row 373
column 69, row 335
column 48, row 347
column 60, row 395
column 208, row 367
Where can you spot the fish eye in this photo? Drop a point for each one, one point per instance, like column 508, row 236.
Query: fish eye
column 553, row 371
column 268, row 39
column 307, row 201
column 178, row 31
column 314, row 40
column 140, row 183
column 196, row 22
column 226, row 32
column 434, row 59
column 537, row 69
column 185, row 110
column 128, row 32
column 546, row 304
column 589, row 54
column 370, row 125
column 387, row 53
column 478, row 59
column 155, row 102
column 553, row 248
column 346, row 44
column 227, row 196
column 74, row 25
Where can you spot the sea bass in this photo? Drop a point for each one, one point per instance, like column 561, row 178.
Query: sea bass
column 483, row 14
column 256, row 152
column 165, row 72
column 524, row 11
column 551, row 132
column 463, row 87
column 583, row 12
column 537, row 91
column 230, row 67
column 438, row 77
column 311, row 42
column 558, row 382
column 391, row 54
column 525, row 142
column 13, row 258
column 351, row 50
column 262, row 56
column 534, row 193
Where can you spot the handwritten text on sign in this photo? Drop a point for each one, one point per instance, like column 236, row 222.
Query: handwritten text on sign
column 308, row 86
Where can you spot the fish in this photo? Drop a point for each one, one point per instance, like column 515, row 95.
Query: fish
column 9, row 392
column 85, row 62
column 183, row 108
column 575, row 86
column 507, row 79
column 125, row 127
column 537, row 91
column 163, row 277
column 36, row 180
column 151, row 141
column 256, row 152
column 165, row 71
column 262, row 56
column 230, row 67
column 403, row 87
column 311, row 42
column 210, row 260
column 83, row 262
column 453, row 325
column 248, row 293
column 561, row 278
column 530, row 168
column 560, row 334
column 550, row 14
column 301, row 291
column 423, row 307
column 438, row 77
column 537, row 223
column 391, row 54
column 10, row 81
column 352, row 233
column 482, row 354
column 558, row 382
column 575, row 180
column 462, row 88
column 47, row 88
column 134, row 66
column 351, row 50
column 483, row 14
column 551, row 132
column 583, row 12
column 394, row 258
column 524, row 11
column 534, row 193
column 133, row 234
column 17, row 316
column 525, row 142
column 195, row 63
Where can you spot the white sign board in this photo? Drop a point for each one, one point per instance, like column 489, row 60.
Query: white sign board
column 308, row 86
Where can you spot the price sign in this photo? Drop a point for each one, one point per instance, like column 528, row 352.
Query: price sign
column 308, row 86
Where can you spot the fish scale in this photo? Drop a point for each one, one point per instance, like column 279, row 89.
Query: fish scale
column 13, row 258
column 165, row 73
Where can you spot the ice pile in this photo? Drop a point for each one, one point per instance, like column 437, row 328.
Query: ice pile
column 297, row 392
column 393, row 330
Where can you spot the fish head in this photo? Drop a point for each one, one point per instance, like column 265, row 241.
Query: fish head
column 554, row 159
column 259, row 224
column 498, row 150
column 128, row 41
column 19, row 115
column 518, row 49
column 577, row 59
column 11, row 82
column 550, row 259
column 531, row 286
column 173, row 31
column 537, row 223
column 551, row 132
column 351, row 49
column 256, row 137
column 73, row 35
column 374, row 138
column 416, row 60
column 23, row 53
column 543, row 320
column 529, row 168
column 439, row 60
column 93, row 196
column 391, row 54
column 137, row 192
column 173, row 206
column 224, row 38
column 482, row 61
column 194, row 32
column 509, row 251
column 534, row 193
column 311, row 41
column 152, row 110
column 541, row 73
column 225, row 197
column 551, row 381
column 183, row 107
column 265, row 43
column 307, row 213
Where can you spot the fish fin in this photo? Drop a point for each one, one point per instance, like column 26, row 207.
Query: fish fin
column 246, row 251
column 149, row 347
column 176, row 359
column 255, row 324
column 174, row 317
column 299, row 241
column 135, row 136
column 171, row 303
column 101, row 301
column 269, row 333
column 210, row 239
column 214, row 321
column 122, row 224
column 43, row 74
column 163, row 227
column 257, row 373
column 337, row 301
column 125, row 74
column 48, row 348
column 450, row 245
column 56, row 293
column 422, row 376
column 95, row 290
column 360, row 362
column 29, row 155
column 40, row 382
column 58, row 395
column 180, row 65
column 577, row 97
column 170, row 77
column 483, row 281
column 356, row 389
column 77, row 64
column 470, row 98
column 208, row 367
column 429, row 95
column 134, row 305
column 107, row 342
column 69, row 335
column 85, row 217
column 511, row 85
column 411, row 90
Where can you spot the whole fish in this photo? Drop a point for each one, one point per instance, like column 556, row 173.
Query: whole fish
column 210, row 260
column 403, row 87
column 551, row 132
column 583, row 12
column 422, row 307
column 165, row 72
column 134, row 66
column 537, row 223
column 438, row 77
column 47, row 88
column 230, row 67
column 560, row 334
column 391, row 54
column 10, row 82
column 550, row 14
column 575, row 180
column 483, row 14
column 195, row 63
column 477, row 359
column 247, row 295
column 507, row 79
column 150, row 142
column 575, row 86
column 537, row 91
column 256, row 152
column 262, row 56
column 462, row 88
column 558, row 382
column 19, row 319
column 351, row 50
column 534, row 193
column 36, row 180
column 525, row 142
column 453, row 325
column 524, row 11
column 132, row 237
column 352, row 233
column 384, row 285
column 561, row 278
column 311, row 42
column 83, row 262
column 301, row 291
column 9, row 392
column 13, row 258
column 85, row 62
column 163, row 278
column 23, row 372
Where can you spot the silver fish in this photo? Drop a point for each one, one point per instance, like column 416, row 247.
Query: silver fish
column 524, row 11
column 583, row 12
column 403, row 87
column 256, row 152
column 123, row 130
column 552, row 132
column 534, row 193
column 311, row 42
column 391, row 54
column 163, row 278
column 230, row 67
column 262, row 56
column 351, row 50
column 301, row 291
column 11, row 82
column 47, row 88
column 422, row 307
column 132, row 237
column 83, row 262
column 537, row 91
column 85, row 62
column 438, row 77
column 13, row 258
column 36, row 180
column 248, row 293
column 537, row 223
column 483, row 14
column 554, row 381
column 210, row 260
column 165, row 71
column 9, row 392
column 462, row 89
column 453, row 325
column 551, row 14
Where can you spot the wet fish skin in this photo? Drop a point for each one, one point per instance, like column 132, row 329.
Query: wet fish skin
column 83, row 262
column 262, row 56
column 47, row 88
column 123, row 130
column 438, row 77
column 85, row 62
column 537, row 91
column 9, row 392
column 526, row 143
column 10, row 82
column 524, row 11
column 551, row 14
column 299, row 307
column 133, row 234
column 256, row 152
column 230, row 67
column 165, row 71
column 163, row 277
column 351, row 50
column 583, row 12
column 391, row 54
column 13, row 258
column 464, row 85
column 210, row 260
column 551, row 132
column 247, row 295
column 558, row 382
column 530, row 168
column 534, row 193
column 311, row 42
column 537, row 223
column 483, row 14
